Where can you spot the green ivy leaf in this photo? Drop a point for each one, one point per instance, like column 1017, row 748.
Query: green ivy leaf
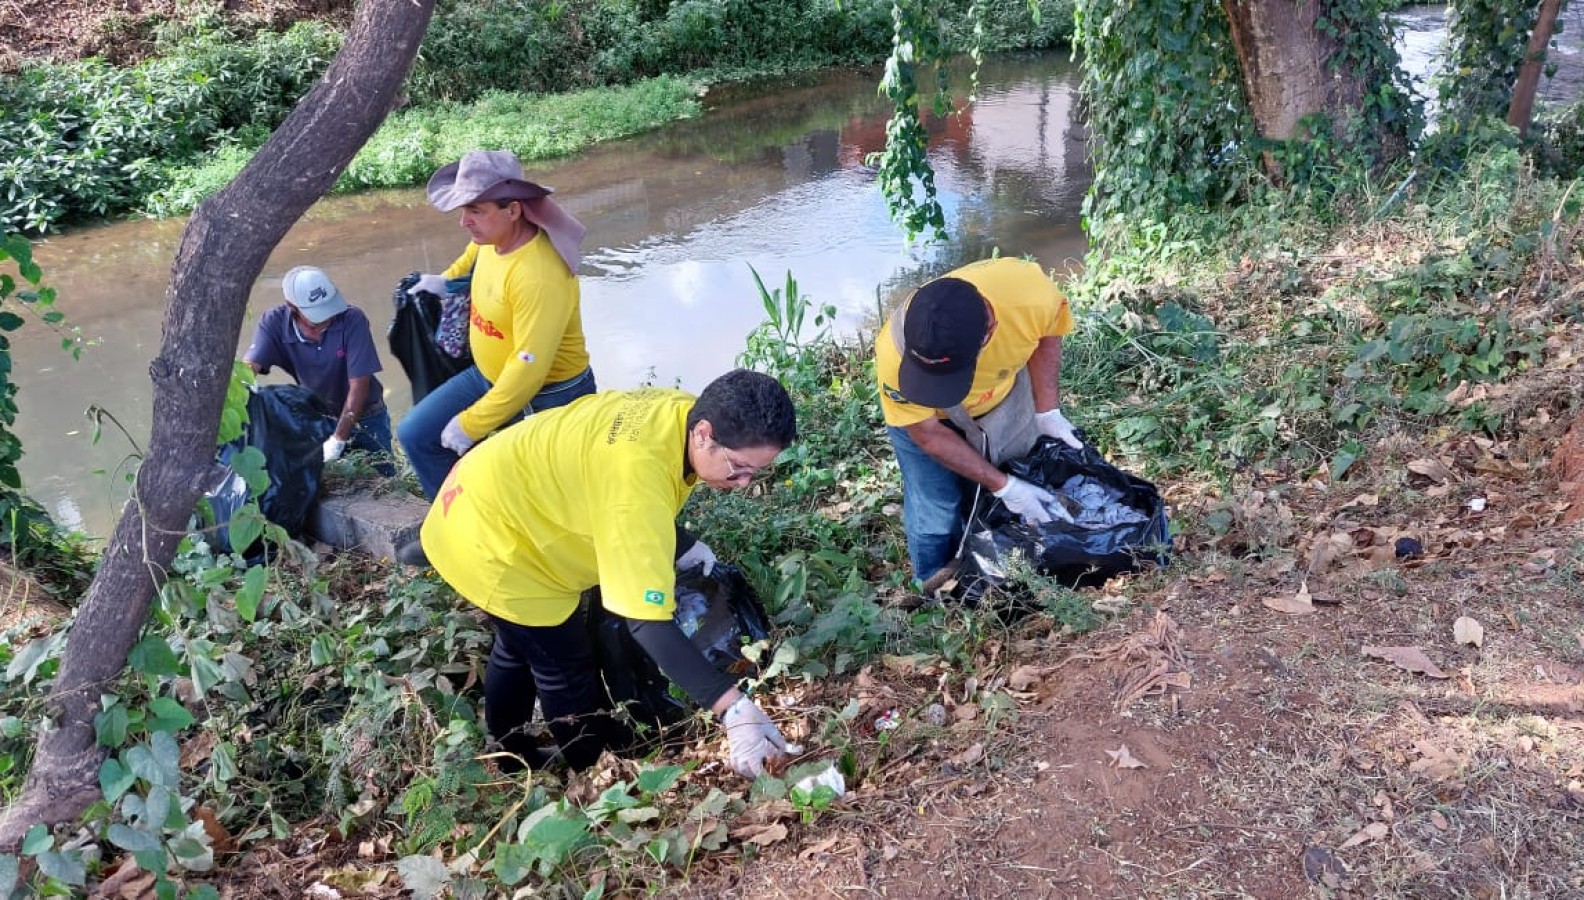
column 252, row 592
column 153, row 656
column 553, row 838
column 222, row 762
column 65, row 867
column 37, row 840
column 110, row 725
column 131, row 839
column 253, row 468
column 512, row 862
column 115, row 779
column 168, row 715
column 658, row 779
column 206, row 674
column 245, row 527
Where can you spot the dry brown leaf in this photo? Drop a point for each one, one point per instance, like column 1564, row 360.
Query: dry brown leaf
column 1025, row 677
column 1437, row 820
column 1374, row 831
column 137, row 888
column 1436, row 762
column 1411, row 658
column 821, row 847
column 1122, row 758
column 1384, row 804
column 1299, row 604
column 1433, row 469
column 970, row 756
column 1468, row 631
column 762, row 835
column 1327, row 550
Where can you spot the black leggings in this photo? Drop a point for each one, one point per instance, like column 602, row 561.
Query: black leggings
column 557, row 664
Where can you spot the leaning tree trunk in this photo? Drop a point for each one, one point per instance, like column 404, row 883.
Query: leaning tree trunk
column 1521, row 110
column 1285, row 56
column 222, row 252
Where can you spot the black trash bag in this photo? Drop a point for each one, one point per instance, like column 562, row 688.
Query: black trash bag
column 412, row 340
column 718, row 612
column 289, row 425
column 1120, row 523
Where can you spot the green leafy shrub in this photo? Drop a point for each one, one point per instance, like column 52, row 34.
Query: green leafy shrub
column 88, row 139
column 412, row 143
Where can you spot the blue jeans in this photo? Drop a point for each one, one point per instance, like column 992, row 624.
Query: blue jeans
column 419, row 431
column 557, row 664
column 373, row 436
column 934, row 505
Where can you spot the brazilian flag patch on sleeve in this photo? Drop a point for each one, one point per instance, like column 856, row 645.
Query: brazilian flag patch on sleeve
column 655, row 597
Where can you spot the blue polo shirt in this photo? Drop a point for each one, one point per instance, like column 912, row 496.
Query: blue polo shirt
column 345, row 351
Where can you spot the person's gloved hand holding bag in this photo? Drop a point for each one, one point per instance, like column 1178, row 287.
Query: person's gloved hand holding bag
column 1028, row 500
column 430, row 284
column 699, row 554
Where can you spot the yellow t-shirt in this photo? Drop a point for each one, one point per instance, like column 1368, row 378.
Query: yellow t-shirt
column 526, row 329
column 1028, row 308
column 572, row 497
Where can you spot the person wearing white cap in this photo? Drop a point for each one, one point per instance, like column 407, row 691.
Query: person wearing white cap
column 327, row 346
column 525, row 330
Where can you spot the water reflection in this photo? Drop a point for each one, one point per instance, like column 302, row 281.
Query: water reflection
column 773, row 177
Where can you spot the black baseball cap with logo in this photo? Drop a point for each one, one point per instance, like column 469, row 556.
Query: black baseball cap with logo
column 943, row 330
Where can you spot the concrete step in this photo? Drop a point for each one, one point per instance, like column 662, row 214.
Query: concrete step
column 358, row 518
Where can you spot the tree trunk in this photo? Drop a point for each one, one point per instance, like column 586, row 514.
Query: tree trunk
column 1283, row 55
column 1522, row 108
column 222, row 251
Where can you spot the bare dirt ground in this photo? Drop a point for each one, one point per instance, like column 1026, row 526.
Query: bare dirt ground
column 122, row 31
column 1209, row 745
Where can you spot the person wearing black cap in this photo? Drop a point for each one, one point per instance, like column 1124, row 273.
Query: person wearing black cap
column 327, row 346
column 525, row 328
column 969, row 369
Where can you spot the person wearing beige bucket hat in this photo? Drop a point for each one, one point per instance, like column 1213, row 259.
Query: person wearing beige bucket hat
column 525, row 330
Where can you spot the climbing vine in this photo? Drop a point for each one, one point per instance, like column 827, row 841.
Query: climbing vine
column 1169, row 125
column 1486, row 42
column 907, row 180
column 26, row 530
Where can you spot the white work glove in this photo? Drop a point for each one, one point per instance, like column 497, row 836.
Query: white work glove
column 754, row 739
column 699, row 554
column 333, row 447
column 434, row 284
column 1028, row 500
column 453, row 438
column 1054, row 424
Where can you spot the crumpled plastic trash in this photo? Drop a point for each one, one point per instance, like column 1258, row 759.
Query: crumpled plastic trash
column 1096, row 505
column 830, row 777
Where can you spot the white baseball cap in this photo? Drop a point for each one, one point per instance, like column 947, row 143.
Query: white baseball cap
column 312, row 292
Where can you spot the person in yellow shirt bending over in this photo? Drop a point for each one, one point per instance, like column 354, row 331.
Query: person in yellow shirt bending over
column 969, row 369
column 588, row 494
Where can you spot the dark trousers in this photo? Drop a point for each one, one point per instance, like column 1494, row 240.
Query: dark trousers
column 557, row 664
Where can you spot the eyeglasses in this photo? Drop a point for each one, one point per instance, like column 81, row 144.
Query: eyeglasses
column 736, row 470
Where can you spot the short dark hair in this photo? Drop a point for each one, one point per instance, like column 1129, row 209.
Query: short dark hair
column 746, row 409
